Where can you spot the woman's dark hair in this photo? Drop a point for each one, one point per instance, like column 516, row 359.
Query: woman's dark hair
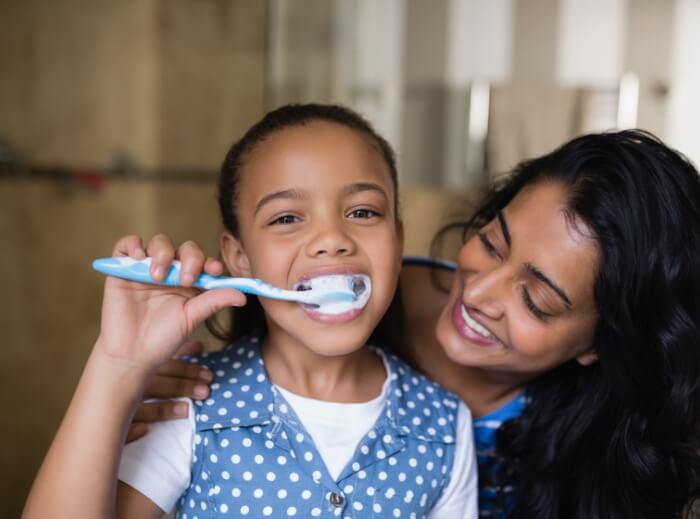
column 619, row 438
column 250, row 318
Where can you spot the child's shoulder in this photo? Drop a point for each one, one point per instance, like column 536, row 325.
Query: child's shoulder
column 411, row 377
column 241, row 354
column 423, row 407
column 241, row 393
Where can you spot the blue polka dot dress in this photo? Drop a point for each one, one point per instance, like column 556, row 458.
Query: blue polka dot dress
column 253, row 457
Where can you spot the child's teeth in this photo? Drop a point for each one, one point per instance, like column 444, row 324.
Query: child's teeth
column 360, row 284
column 475, row 325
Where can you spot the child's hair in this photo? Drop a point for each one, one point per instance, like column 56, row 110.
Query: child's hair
column 250, row 318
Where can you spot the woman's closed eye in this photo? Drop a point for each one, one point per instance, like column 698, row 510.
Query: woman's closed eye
column 492, row 251
column 489, row 246
column 532, row 307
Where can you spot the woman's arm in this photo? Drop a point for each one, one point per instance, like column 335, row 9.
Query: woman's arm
column 142, row 326
column 174, row 379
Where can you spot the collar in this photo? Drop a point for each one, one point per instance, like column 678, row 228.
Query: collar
column 242, row 395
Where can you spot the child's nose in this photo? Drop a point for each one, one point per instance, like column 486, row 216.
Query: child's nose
column 330, row 240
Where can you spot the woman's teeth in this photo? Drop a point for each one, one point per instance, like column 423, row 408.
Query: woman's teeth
column 474, row 325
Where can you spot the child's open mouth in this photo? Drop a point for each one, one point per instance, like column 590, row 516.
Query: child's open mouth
column 337, row 311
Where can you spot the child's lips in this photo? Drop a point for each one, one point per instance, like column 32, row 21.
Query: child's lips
column 328, row 271
column 340, row 312
column 321, row 317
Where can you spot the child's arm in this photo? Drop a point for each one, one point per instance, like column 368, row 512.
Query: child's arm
column 78, row 476
column 142, row 326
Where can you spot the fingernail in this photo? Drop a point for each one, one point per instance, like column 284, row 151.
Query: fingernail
column 205, row 374
column 187, row 277
column 180, row 409
column 158, row 272
column 201, row 391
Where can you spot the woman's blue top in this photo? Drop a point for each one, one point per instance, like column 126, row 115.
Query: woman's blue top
column 485, row 428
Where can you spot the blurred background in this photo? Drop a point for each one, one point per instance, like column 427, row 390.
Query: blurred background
column 115, row 115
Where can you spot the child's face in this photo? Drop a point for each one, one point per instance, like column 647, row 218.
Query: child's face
column 315, row 200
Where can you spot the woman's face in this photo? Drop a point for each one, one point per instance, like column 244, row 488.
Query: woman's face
column 522, row 300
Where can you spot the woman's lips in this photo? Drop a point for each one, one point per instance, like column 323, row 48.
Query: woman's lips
column 461, row 318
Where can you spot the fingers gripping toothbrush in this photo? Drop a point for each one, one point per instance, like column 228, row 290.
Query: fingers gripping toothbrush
column 324, row 290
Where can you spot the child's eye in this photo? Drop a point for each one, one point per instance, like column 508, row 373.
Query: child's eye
column 363, row 213
column 285, row 219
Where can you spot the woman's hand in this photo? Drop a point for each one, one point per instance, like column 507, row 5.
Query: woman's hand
column 144, row 325
column 175, row 378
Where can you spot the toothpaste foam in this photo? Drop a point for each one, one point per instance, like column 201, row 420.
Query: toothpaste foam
column 358, row 283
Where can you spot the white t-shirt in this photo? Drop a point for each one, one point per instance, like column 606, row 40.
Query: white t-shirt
column 159, row 464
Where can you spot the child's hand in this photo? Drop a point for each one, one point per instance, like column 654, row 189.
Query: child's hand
column 143, row 325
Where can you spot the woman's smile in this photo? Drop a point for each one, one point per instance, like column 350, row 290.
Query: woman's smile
column 470, row 328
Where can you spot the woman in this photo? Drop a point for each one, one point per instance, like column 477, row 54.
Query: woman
column 572, row 330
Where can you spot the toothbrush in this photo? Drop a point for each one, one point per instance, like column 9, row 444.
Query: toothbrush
column 139, row 270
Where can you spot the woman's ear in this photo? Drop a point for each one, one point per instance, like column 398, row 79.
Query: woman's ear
column 234, row 256
column 587, row 358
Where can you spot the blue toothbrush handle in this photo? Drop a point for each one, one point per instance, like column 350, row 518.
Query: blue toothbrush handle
column 139, row 270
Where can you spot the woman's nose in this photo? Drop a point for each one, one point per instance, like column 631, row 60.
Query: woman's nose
column 486, row 291
column 330, row 240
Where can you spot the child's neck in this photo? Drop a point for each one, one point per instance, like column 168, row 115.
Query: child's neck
column 352, row 378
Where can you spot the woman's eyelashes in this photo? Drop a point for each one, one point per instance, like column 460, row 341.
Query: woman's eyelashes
column 493, row 251
column 532, row 307
column 489, row 246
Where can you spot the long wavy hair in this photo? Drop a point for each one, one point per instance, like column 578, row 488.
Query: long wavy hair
column 618, row 439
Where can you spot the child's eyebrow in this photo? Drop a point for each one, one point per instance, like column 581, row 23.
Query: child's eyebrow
column 286, row 193
column 358, row 187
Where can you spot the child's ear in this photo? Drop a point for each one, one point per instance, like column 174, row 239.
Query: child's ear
column 234, row 256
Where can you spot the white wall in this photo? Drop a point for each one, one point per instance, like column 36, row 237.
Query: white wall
column 683, row 122
column 590, row 41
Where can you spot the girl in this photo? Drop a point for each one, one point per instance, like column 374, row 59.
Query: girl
column 303, row 419
column 572, row 330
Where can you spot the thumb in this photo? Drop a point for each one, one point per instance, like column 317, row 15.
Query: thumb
column 208, row 303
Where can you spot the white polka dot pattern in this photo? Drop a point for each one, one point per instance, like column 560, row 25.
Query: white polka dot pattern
column 255, row 459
